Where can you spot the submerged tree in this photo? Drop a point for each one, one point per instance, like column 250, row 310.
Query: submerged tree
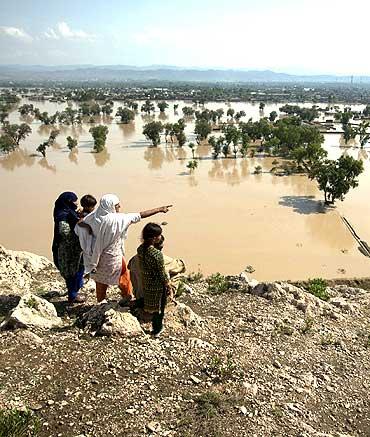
column 7, row 143
column 273, row 116
column 192, row 148
column 126, row 115
column 192, row 165
column 99, row 134
column 17, row 131
column 363, row 133
column 147, row 107
column 162, row 106
column 202, row 129
column 71, row 143
column 42, row 148
column 153, row 131
column 52, row 137
column 337, row 177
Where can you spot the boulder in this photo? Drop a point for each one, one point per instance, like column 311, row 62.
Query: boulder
column 20, row 271
column 110, row 319
column 179, row 315
column 32, row 312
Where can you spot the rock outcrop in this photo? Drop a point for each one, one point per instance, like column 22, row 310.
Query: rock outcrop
column 20, row 272
column 32, row 312
column 110, row 319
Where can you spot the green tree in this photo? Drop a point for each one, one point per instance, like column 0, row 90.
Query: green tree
column 180, row 137
column 26, row 109
column 152, row 131
column 71, row 143
column 273, row 116
column 262, row 106
column 239, row 115
column 53, row 135
column 107, row 108
column 162, row 106
column 348, row 133
column 17, row 131
column 244, row 144
column 7, row 143
column 362, row 132
column 126, row 115
column 202, row 130
column 192, row 148
column 230, row 113
column 99, row 133
column 220, row 113
column 42, row 148
column 336, row 177
column 188, row 111
column 192, row 165
column 147, row 107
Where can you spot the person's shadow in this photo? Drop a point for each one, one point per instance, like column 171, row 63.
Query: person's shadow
column 303, row 204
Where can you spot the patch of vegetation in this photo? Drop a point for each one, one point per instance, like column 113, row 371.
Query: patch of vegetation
column 277, row 412
column 249, row 269
column 32, row 303
column 317, row 287
column 15, row 423
column 308, row 325
column 329, row 340
column 284, row 329
column 217, row 283
column 193, row 277
column 209, row 404
column 222, row 367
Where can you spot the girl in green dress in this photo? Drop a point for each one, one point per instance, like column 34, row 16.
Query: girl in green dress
column 155, row 278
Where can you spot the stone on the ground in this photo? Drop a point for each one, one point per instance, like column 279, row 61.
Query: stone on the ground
column 110, row 319
column 32, row 312
column 179, row 315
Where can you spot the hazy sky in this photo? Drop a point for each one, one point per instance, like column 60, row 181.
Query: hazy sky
column 295, row 36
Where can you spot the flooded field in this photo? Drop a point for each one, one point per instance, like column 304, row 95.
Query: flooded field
column 224, row 216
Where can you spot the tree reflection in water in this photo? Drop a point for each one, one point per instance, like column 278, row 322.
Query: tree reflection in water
column 155, row 157
column 128, row 130
column 101, row 158
column 73, row 155
column 230, row 171
column 45, row 164
column 18, row 158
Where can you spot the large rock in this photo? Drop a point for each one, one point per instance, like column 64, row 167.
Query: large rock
column 110, row 319
column 178, row 315
column 22, row 271
column 32, row 312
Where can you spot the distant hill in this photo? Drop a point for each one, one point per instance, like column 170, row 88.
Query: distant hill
column 116, row 73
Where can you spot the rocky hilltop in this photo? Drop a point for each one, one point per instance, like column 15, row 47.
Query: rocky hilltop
column 237, row 358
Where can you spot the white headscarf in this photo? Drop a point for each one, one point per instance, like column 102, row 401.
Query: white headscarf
column 106, row 206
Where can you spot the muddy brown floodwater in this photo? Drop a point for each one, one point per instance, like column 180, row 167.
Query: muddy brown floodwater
column 224, row 216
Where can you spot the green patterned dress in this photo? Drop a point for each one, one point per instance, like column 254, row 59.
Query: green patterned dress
column 154, row 277
column 69, row 251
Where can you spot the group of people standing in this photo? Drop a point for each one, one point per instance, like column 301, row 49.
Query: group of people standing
column 90, row 242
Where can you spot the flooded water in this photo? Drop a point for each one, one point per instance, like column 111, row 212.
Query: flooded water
column 224, row 217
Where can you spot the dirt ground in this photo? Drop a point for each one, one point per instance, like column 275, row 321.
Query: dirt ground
column 248, row 366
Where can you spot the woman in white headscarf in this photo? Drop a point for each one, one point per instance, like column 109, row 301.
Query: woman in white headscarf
column 109, row 230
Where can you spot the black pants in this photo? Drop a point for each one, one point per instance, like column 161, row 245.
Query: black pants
column 157, row 321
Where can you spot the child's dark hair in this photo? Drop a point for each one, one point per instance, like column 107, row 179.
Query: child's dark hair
column 88, row 201
column 150, row 231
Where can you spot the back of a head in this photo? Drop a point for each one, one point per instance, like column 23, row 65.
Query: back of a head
column 88, row 201
column 150, row 231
